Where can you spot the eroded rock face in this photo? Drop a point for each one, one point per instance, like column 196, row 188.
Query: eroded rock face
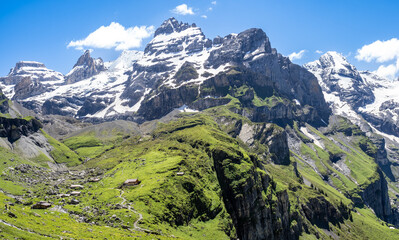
column 167, row 100
column 14, row 128
column 85, row 67
column 375, row 195
column 270, row 135
column 31, row 79
column 382, row 122
column 254, row 216
column 321, row 212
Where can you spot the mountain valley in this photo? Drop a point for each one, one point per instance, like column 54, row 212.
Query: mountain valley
column 195, row 138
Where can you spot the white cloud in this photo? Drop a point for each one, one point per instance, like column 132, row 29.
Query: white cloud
column 183, row 10
column 298, row 55
column 319, row 52
column 204, row 16
column 382, row 52
column 388, row 71
column 114, row 36
column 213, row 2
column 210, row 9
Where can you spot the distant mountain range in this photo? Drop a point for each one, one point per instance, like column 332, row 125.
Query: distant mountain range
column 147, row 85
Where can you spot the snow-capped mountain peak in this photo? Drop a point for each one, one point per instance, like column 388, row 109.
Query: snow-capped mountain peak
column 334, row 63
column 171, row 25
column 173, row 37
column 32, row 69
column 334, row 59
column 357, row 95
column 175, row 68
column 343, row 86
column 25, row 65
column 85, row 67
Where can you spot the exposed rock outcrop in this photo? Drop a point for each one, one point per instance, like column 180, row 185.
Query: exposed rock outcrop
column 320, row 212
column 269, row 135
column 14, row 128
column 255, row 216
column 375, row 195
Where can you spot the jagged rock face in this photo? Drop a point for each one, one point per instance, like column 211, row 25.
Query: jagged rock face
column 381, row 154
column 42, row 95
column 14, row 128
column 250, row 44
column 85, row 67
column 282, row 114
column 167, row 99
column 252, row 50
column 179, row 47
column 171, row 25
column 383, row 113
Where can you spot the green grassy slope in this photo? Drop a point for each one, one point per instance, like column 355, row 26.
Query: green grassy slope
column 166, row 205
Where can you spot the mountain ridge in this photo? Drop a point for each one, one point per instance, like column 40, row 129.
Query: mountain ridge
column 175, row 44
column 225, row 139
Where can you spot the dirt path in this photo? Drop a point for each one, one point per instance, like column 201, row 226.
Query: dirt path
column 130, row 208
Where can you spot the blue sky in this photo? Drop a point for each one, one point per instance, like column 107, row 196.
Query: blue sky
column 41, row 30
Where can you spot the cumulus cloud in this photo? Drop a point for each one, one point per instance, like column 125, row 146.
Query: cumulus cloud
column 319, row 52
column 382, row 52
column 388, row 71
column 298, row 55
column 183, row 9
column 204, row 16
column 210, row 9
column 114, row 36
column 213, row 2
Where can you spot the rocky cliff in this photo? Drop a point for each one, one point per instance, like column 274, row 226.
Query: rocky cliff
column 14, row 128
column 213, row 69
column 257, row 211
column 375, row 196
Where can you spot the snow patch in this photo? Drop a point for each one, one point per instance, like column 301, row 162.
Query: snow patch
column 185, row 108
column 305, row 131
